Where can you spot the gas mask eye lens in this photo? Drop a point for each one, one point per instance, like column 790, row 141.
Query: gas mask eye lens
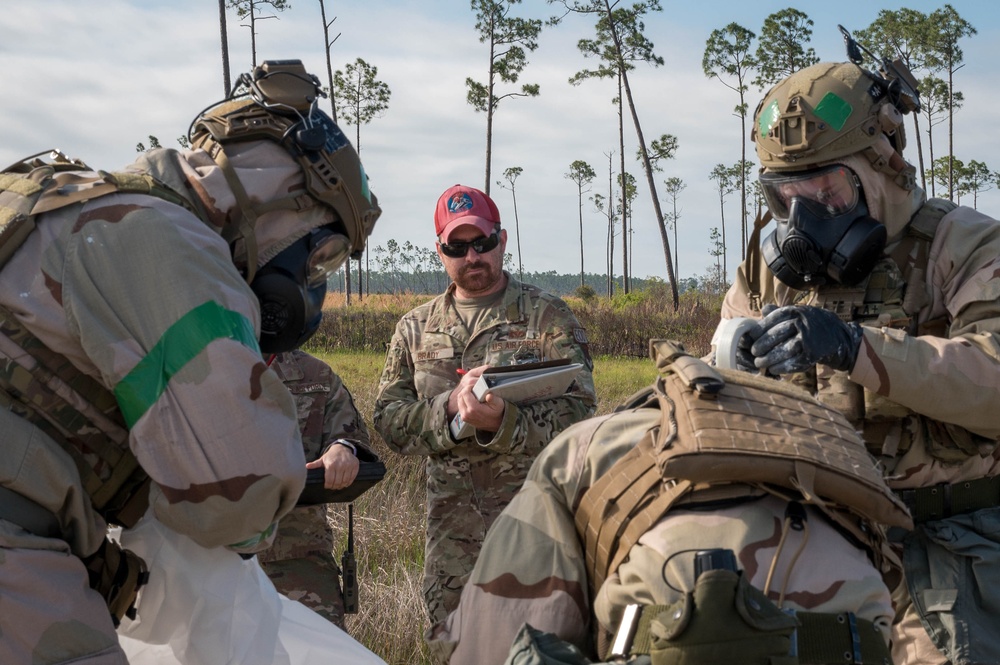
column 330, row 250
column 834, row 189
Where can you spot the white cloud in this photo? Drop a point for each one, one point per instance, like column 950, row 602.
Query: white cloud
column 96, row 78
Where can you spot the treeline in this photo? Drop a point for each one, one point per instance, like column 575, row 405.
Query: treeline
column 396, row 268
column 436, row 281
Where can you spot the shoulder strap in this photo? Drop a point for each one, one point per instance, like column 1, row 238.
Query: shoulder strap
column 754, row 257
column 76, row 412
column 920, row 231
column 924, row 224
column 30, row 188
column 621, row 506
column 912, row 255
column 18, row 195
column 627, row 500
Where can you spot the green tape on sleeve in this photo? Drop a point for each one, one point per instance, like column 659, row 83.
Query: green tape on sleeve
column 181, row 342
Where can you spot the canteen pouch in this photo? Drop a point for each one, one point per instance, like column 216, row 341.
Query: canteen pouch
column 724, row 619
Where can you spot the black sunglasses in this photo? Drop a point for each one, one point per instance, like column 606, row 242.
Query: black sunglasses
column 457, row 250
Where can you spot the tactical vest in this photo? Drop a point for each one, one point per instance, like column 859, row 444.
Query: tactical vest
column 892, row 297
column 722, row 428
column 43, row 386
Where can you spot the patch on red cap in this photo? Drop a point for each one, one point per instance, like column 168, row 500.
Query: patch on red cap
column 459, row 206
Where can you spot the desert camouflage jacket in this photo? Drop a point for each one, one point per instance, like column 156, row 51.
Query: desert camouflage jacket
column 941, row 386
column 142, row 296
column 532, row 565
column 431, row 343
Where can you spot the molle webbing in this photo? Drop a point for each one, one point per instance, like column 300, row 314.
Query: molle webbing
column 727, row 428
column 621, row 506
column 946, row 499
column 74, row 410
column 18, row 195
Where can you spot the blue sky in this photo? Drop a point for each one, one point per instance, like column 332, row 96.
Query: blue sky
column 95, row 78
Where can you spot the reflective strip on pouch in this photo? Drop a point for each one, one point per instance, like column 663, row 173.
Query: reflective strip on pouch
column 184, row 340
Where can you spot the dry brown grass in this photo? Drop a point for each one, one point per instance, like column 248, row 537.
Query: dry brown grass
column 618, row 327
column 377, row 301
column 389, row 520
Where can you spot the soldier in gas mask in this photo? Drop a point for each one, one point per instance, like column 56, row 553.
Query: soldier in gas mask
column 135, row 308
column 887, row 310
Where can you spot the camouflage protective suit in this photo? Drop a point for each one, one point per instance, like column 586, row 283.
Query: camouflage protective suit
column 533, row 569
column 142, row 296
column 301, row 562
column 924, row 392
column 470, row 481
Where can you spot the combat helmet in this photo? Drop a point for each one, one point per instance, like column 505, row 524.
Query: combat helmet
column 277, row 101
column 822, row 113
column 830, row 110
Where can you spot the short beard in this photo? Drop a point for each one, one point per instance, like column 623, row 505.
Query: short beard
column 480, row 282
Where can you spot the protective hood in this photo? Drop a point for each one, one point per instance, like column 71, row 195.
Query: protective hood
column 888, row 202
column 266, row 171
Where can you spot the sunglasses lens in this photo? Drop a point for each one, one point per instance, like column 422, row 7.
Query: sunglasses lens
column 457, row 250
column 487, row 244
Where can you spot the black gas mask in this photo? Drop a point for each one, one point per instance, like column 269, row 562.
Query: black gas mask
column 291, row 288
column 824, row 232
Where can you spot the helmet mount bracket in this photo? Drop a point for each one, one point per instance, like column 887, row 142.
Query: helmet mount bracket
column 893, row 78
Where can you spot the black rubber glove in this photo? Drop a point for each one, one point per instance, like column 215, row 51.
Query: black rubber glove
column 794, row 338
column 744, row 358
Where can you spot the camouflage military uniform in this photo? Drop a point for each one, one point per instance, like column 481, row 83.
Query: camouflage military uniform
column 142, row 297
column 533, row 569
column 470, row 481
column 924, row 392
column 300, row 562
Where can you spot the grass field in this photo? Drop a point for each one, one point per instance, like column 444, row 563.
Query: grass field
column 389, row 519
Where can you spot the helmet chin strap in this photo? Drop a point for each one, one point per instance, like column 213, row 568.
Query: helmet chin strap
column 248, row 212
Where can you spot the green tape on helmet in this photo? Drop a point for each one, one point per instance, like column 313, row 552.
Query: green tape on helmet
column 833, row 110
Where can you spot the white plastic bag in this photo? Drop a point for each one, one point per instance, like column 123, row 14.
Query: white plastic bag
column 211, row 607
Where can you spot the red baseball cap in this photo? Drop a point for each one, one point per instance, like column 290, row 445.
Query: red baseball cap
column 465, row 206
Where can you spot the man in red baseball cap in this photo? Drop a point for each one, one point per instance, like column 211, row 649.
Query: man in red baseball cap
column 467, row 218
column 439, row 350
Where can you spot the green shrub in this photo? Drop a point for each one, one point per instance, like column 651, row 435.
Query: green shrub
column 586, row 293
